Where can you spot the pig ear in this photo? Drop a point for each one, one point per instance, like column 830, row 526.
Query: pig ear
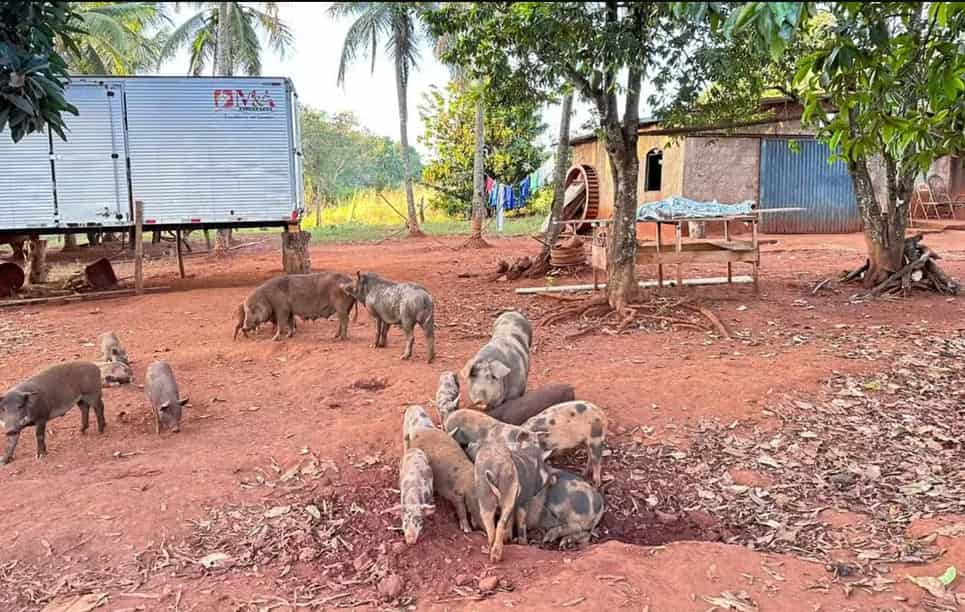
column 183, row 401
column 164, row 407
column 547, row 453
column 396, row 509
column 499, row 369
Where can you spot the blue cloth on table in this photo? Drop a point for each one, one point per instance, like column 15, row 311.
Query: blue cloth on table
column 676, row 207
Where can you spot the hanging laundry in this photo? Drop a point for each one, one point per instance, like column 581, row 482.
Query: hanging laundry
column 489, row 184
column 499, row 220
column 494, row 195
column 524, row 191
column 510, row 198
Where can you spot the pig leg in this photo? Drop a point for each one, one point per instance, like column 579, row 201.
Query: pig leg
column 594, row 462
column 578, row 541
column 342, row 326
column 521, row 525
column 99, row 414
column 41, row 428
column 429, row 329
column 503, row 528
column 488, row 518
column 12, row 439
column 409, row 330
column 282, row 323
column 384, row 342
column 565, row 532
column 84, row 415
column 461, row 514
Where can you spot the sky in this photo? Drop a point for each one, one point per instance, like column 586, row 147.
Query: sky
column 313, row 67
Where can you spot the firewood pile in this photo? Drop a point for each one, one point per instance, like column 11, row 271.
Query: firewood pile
column 920, row 271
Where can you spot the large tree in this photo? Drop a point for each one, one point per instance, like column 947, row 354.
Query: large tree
column 603, row 49
column 883, row 83
column 398, row 26
column 32, row 72
column 511, row 131
column 119, row 37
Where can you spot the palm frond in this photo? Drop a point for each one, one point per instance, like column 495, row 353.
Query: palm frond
column 185, row 34
column 362, row 38
column 280, row 37
column 202, row 51
column 245, row 47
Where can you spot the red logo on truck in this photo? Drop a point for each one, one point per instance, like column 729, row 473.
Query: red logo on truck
column 241, row 101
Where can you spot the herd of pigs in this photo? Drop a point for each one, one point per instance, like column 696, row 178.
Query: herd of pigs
column 489, row 460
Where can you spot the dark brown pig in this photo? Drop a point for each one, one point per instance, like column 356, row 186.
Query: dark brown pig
column 309, row 296
column 162, row 391
column 48, row 395
column 452, row 473
column 510, row 482
column 240, row 325
column 518, row 411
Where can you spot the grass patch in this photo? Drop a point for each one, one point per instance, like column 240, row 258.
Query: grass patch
column 361, row 232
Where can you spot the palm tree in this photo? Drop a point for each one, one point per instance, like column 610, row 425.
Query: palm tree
column 399, row 25
column 223, row 37
column 119, row 37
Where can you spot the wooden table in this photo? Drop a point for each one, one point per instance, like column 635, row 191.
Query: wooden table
column 729, row 250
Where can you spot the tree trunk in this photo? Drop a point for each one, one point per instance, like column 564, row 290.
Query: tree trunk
column 223, row 63
column 622, row 250
column 222, row 241
column 884, row 227
column 401, row 87
column 476, row 240
column 422, row 209
column 542, row 264
column 70, row 242
column 35, row 251
column 295, row 256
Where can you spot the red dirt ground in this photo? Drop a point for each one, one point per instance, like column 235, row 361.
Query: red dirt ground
column 256, row 401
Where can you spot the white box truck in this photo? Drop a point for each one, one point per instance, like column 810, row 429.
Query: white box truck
column 200, row 152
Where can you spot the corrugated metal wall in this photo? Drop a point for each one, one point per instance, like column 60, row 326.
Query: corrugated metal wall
column 91, row 167
column 26, row 189
column 805, row 179
column 218, row 150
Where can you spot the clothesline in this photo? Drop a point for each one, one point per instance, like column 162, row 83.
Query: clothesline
column 504, row 196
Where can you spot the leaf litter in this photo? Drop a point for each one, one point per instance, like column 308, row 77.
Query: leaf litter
column 887, row 447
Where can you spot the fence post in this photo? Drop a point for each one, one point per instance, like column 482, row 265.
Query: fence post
column 139, row 247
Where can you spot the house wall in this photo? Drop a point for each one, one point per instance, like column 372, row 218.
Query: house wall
column 722, row 169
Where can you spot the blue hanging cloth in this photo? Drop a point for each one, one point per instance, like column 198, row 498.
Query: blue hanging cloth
column 524, row 192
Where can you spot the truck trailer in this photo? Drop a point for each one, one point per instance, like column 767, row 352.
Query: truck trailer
column 199, row 152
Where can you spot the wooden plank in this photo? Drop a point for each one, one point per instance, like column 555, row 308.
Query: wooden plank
column 730, row 265
column 674, row 258
column 139, row 247
column 678, row 252
column 180, row 256
column 79, row 297
column 690, row 282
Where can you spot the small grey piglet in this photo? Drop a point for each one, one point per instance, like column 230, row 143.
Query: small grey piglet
column 162, row 391
column 111, row 349
column 415, row 420
column 48, row 395
column 447, row 395
column 415, row 486
column 114, row 373
column 571, row 511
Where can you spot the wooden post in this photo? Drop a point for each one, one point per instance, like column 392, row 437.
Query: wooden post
column 659, row 265
column 730, row 265
column 295, row 257
column 180, row 257
column 757, row 252
column 139, row 247
column 35, row 254
column 207, row 239
column 678, row 246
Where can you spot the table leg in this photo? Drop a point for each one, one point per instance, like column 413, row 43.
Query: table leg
column 757, row 253
column 678, row 243
column 730, row 265
column 659, row 265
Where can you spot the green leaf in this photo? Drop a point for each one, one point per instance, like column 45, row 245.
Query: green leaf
column 749, row 12
column 949, row 576
column 21, row 103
